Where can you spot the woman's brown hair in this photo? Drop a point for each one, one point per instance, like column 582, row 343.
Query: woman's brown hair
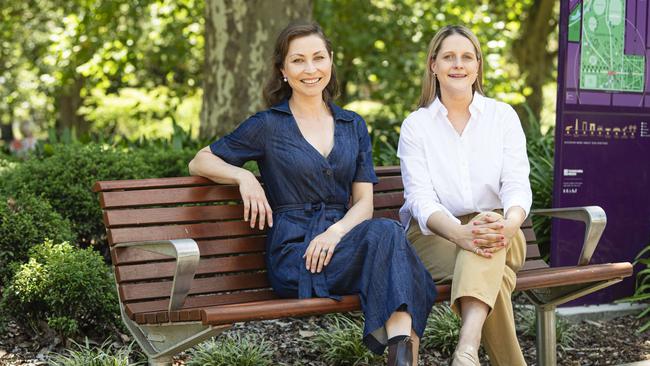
column 430, row 86
column 276, row 89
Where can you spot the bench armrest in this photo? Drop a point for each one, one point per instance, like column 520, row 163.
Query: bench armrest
column 595, row 221
column 187, row 255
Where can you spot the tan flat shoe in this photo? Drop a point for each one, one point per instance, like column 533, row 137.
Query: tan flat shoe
column 465, row 356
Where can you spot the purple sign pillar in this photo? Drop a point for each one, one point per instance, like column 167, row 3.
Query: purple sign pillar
column 602, row 142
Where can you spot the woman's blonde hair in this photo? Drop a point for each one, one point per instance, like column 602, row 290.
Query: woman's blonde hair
column 430, row 86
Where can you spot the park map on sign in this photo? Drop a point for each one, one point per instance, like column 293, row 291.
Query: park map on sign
column 603, row 62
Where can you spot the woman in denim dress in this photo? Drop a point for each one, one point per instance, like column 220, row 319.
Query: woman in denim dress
column 315, row 160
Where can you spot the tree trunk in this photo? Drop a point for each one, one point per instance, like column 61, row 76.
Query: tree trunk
column 239, row 40
column 69, row 102
column 534, row 59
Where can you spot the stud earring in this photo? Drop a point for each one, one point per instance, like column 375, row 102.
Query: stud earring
column 284, row 79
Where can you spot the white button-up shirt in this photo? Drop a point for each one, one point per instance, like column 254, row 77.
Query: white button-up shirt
column 484, row 168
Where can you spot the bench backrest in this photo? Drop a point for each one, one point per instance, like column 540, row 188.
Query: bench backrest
column 232, row 267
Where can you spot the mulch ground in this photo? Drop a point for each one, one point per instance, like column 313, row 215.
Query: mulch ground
column 607, row 342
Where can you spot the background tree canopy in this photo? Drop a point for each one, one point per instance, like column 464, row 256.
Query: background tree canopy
column 135, row 68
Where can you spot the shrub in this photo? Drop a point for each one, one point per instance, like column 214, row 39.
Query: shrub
column 69, row 288
column 541, row 151
column 443, row 327
column 106, row 354
column 166, row 162
column 26, row 221
column 642, row 292
column 65, row 174
column 341, row 342
column 232, row 350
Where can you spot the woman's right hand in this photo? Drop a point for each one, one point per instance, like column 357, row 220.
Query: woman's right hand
column 256, row 206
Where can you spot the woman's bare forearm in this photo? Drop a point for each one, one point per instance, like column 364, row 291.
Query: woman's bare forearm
column 208, row 165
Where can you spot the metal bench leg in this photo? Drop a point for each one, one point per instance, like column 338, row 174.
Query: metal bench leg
column 161, row 361
column 546, row 338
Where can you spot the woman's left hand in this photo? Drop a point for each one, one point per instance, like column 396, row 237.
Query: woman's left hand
column 509, row 230
column 320, row 250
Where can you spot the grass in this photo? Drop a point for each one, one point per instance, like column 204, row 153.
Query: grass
column 442, row 330
column 232, row 350
column 527, row 325
column 106, row 354
column 341, row 342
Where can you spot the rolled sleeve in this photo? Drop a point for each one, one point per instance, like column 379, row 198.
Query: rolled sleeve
column 421, row 199
column 515, row 185
column 245, row 143
column 365, row 170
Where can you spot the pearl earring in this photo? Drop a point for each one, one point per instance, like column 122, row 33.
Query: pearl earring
column 284, row 79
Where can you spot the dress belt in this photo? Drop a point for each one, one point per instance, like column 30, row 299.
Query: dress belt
column 308, row 280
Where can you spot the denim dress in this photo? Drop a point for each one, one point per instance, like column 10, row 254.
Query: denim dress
column 309, row 192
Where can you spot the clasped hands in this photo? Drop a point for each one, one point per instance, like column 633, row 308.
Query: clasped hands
column 486, row 235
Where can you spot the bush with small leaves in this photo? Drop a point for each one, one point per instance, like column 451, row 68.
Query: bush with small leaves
column 64, row 176
column 69, row 288
column 232, row 350
column 341, row 342
column 25, row 221
column 106, row 354
column 441, row 333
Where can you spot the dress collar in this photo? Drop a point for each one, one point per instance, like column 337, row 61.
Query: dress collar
column 338, row 113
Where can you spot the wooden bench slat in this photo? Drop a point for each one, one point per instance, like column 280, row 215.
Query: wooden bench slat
column 386, row 200
column 172, row 215
column 163, row 270
column 157, row 290
column 164, row 196
column 532, row 251
column 534, row 264
column 121, row 256
column 562, row 276
column 194, row 302
column 111, row 185
column 390, row 183
column 189, row 231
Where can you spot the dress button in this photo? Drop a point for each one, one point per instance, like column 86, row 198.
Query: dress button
column 328, row 172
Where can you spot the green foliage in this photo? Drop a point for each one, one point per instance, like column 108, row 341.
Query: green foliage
column 541, row 150
column 443, row 328
column 341, row 342
column 25, row 221
column 86, row 354
column 69, row 288
column 642, row 292
column 380, row 52
column 564, row 331
column 232, row 350
column 65, row 176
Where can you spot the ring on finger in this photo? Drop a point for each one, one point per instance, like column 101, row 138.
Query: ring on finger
column 323, row 251
column 476, row 250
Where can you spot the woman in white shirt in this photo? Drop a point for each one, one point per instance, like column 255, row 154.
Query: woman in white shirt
column 465, row 172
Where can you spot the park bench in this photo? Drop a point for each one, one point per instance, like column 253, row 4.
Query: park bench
column 187, row 266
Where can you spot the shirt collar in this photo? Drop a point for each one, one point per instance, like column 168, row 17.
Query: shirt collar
column 475, row 107
column 338, row 113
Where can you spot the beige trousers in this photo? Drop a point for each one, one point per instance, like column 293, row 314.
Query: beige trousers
column 490, row 280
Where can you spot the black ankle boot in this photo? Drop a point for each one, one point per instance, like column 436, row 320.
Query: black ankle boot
column 401, row 353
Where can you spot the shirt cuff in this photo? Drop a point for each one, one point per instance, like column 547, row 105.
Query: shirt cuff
column 425, row 213
column 521, row 202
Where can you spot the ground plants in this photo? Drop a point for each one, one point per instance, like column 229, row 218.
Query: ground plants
column 527, row 326
column 341, row 342
column 106, row 354
column 642, row 292
column 443, row 327
column 232, row 350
